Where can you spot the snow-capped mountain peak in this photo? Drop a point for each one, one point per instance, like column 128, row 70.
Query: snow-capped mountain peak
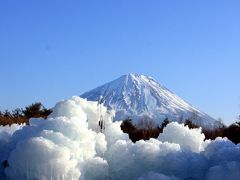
column 137, row 96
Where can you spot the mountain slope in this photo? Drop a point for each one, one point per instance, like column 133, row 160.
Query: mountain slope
column 138, row 96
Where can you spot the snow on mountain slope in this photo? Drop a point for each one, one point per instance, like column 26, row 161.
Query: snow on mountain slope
column 137, row 96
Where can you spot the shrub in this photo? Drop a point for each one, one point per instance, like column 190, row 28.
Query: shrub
column 36, row 110
column 127, row 126
column 190, row 124
column 233, row 132
column 139, row 132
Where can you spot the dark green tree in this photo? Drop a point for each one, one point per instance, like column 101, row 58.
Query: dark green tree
column 165, row 123
column 190, row 124
column 36, row 110
column 233, row 133
column 45, row 112
column 127, row 126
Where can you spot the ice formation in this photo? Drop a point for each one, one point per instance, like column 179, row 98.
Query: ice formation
column 69, row 145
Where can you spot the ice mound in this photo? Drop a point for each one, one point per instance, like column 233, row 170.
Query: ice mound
column 69, row 144
column 188, row 139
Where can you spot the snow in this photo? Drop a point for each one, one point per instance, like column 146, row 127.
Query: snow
column 229, row 170
column 156, row 176
column 136, row 95
column 7, row 131
column 188, row 139
column 69, row 145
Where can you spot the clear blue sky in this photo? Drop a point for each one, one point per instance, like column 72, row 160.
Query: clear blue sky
column 53, row 49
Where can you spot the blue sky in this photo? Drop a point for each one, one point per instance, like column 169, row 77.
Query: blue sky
column 51, row 50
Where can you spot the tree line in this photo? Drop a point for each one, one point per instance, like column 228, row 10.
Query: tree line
column 19, row 115
column 137, row 133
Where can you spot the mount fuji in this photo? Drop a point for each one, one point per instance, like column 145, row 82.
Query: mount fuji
column 139, row 96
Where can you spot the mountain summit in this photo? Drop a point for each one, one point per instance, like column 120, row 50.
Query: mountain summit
column 137, row 96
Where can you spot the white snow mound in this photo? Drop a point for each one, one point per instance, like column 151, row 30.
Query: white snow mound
column 69, row 145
